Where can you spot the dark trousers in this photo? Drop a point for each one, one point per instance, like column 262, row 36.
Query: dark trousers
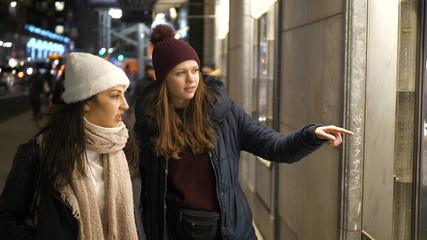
column 36, row 104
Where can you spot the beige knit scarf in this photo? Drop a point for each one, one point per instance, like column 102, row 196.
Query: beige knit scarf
column 81, row 195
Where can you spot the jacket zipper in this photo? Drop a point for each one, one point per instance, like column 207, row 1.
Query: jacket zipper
column 217, row 189
column 165, row 230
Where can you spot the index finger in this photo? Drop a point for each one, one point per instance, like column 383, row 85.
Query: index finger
column 345, row 131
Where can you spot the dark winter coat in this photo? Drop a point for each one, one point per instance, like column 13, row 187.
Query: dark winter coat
column 236, row 131
column 54, row 218
column 141, row 84
column 35, row 83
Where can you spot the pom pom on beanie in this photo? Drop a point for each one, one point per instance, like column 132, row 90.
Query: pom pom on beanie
column 168, row 51
column 161, row 33
column 87, row 75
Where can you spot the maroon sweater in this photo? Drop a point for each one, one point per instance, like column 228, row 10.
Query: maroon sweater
column 191, row 182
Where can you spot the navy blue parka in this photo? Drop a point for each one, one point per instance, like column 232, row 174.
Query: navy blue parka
column 236, row 131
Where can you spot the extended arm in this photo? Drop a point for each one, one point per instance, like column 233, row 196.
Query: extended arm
column 269, row 144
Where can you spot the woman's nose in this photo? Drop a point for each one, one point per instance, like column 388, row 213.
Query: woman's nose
column 124, row 105
column 191, row 77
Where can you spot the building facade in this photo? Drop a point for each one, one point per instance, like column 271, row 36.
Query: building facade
column 354, row 63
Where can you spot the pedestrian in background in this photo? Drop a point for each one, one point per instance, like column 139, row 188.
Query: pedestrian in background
column 58, row 90
column 191, row 134
column 47, row 87
column 141, row 84
column 78, row 177
column 36, row 88
column 130, row 75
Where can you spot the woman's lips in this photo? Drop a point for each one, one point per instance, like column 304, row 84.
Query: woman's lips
column 189, row 89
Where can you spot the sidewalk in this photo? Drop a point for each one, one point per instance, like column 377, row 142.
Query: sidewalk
column 13, row 132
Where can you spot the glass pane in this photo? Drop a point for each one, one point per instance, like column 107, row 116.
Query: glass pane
column 422, row 211
column 422, row 166
column 255, row 69
column 263, row 70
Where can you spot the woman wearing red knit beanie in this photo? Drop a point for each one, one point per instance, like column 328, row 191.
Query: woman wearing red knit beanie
column 191, row 134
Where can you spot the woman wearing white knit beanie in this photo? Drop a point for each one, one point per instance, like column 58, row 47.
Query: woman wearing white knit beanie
column 78, row 178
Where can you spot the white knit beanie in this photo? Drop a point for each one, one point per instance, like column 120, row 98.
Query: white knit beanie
column 87, row 75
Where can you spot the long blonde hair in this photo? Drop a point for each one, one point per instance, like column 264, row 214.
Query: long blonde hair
column 195, row 130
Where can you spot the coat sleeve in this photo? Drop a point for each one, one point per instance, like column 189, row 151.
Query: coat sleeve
column 17, row 197
column 271, row 145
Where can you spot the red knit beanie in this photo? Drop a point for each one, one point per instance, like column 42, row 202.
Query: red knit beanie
column 168, row 51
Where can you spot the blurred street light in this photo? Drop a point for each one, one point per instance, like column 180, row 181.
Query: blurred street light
column 172, row 12
column 102, row 51
column 12, row 62
column 115, row 13
column 59, row 29
column 59, row 6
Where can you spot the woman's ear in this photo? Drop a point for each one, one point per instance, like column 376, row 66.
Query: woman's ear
column 88, row 103
column 86, row 106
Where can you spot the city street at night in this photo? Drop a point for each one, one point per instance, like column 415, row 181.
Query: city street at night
column 179, row 113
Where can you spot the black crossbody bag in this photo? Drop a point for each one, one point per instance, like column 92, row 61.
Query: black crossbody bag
column 190, row 224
